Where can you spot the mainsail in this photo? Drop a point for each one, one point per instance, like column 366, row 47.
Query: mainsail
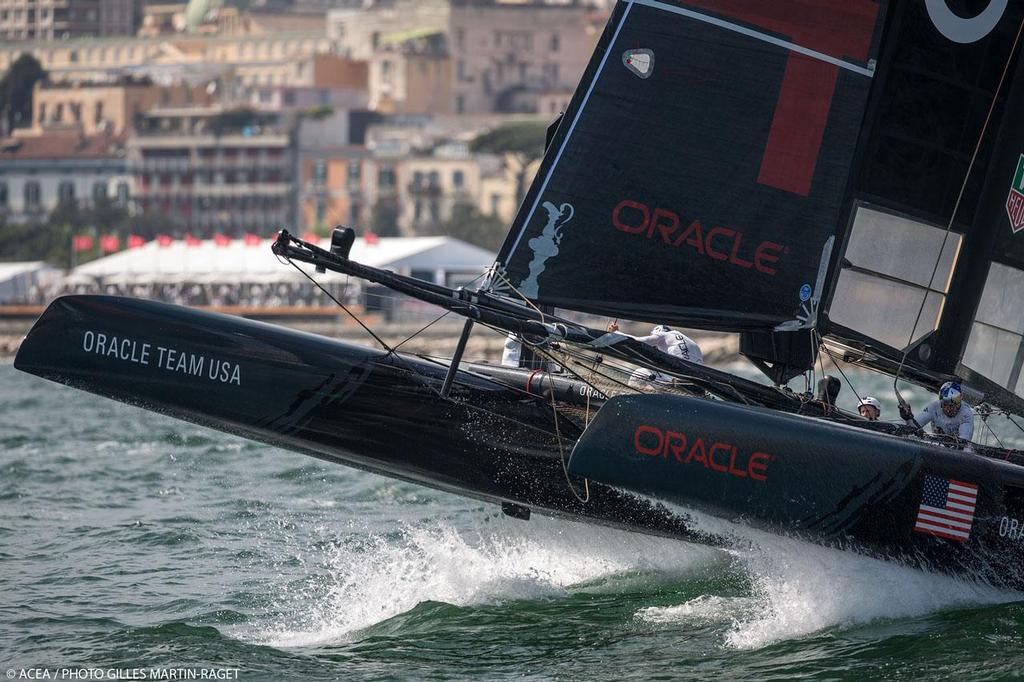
column 699, row 173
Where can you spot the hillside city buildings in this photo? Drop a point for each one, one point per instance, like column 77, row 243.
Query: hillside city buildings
column 221, row 121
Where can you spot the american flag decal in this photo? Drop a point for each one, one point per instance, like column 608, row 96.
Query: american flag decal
column 947, row 508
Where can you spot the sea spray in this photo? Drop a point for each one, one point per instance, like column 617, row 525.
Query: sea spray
column 799, row 588
column 365, row 582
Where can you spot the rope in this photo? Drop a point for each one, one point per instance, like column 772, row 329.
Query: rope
column 561, row 454
column 519, row 294
column 956, row 207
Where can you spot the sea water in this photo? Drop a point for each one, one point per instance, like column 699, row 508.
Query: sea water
column 134, row 542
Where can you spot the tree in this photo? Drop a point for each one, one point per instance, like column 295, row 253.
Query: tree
column 16, row 88
column 521, row 141
column 384, row 218
column 51, row 241
column 518, row 137
column 470, row 225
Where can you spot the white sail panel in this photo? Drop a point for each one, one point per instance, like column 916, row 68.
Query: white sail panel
column 891, row 258
column 995, row 348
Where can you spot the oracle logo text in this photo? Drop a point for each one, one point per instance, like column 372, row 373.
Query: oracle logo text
column 717, row 456
column 717, row 243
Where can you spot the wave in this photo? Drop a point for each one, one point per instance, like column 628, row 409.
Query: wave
column 377, row 577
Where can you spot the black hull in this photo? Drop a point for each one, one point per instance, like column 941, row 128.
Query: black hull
column 824, row 482
column 339, row 402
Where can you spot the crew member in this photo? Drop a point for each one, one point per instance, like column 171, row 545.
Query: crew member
column 669, row 341
column 949, row 415
column 512, row 353
column 870, row 409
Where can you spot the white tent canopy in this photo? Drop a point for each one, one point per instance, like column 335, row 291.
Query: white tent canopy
column 239, row 262
column 18, row 279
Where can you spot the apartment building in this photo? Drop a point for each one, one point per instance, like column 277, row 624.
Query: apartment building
column 59, row 19
column 252, row 59
column 101, row 108
column 211, row 170
column 506, row 54
column 410, row 73
column 38, row 173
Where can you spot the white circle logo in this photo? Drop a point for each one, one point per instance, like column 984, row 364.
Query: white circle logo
column 961, row 30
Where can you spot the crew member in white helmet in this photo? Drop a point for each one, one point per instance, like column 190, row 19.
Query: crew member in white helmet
column 870, row 408
column 949, row 415
column 668, row 341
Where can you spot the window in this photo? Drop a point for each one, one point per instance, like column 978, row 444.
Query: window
column 321, row 211
column 435, row 211
column 356, row 213
column 555, row 42
column 122, row 193
column 495, row 203
column 3, row 195
column 98, row 113
column 460, row 38
column 434, row 179
column 99, row 192
column 32, row 196
column 460, row 104
column 354, row 173
column 386, row 176
column 458, row 179
column 42, row 112
column 65, row 192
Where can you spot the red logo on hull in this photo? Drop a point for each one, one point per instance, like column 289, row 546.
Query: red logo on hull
column 717, row 456
column 717, row 243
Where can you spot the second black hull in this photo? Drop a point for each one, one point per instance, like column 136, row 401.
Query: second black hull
column 344, row 403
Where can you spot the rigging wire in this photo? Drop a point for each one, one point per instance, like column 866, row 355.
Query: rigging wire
column 836, row 363
column 422, row 329
column 952, row 217
column 369, row 331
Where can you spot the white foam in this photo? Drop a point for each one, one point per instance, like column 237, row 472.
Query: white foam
column 800, row 588
column 706, row 609
column 381, row 577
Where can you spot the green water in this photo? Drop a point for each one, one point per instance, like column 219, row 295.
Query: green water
column 131, row 540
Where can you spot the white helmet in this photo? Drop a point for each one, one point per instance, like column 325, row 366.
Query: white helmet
column 873, row 402
column 661, row 329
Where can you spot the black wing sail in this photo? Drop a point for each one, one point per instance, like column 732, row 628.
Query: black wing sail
column 698, row 175
column 942, row 147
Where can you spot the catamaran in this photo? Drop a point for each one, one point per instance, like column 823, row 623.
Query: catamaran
column 820, row 176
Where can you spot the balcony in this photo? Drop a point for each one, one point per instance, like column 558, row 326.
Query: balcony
column 426, row 188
